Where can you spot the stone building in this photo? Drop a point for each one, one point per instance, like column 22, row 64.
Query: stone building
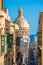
column 11, row 50
column 4, row 18
column 40, row 38
column 7, row 34
column 13, row 36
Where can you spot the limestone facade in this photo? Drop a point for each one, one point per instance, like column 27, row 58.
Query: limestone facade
column 40, row 37
column 6, row 26
column 9, row 31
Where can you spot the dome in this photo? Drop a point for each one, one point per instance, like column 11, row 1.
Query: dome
column 21, row 20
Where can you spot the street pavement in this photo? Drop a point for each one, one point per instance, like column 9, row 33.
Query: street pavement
column 31, row 60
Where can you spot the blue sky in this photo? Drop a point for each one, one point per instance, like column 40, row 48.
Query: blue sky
column 31, row 11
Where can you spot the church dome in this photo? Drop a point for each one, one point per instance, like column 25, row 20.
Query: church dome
column 21, row 20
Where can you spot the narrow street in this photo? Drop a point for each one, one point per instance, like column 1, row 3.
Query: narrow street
column 31, row 60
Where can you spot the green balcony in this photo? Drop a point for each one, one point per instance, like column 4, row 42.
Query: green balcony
column 3, row 43
column 9, row 40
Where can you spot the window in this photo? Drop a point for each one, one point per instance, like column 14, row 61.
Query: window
column 2, row 40
column 11, row 38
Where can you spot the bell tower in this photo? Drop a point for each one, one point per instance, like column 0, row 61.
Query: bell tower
column 1, row 4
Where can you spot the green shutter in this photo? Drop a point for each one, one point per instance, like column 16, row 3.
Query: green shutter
column 5, row 43
column 2, row 44
column 9, row 40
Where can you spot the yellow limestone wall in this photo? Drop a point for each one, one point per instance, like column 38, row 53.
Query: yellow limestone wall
column 0, row 4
